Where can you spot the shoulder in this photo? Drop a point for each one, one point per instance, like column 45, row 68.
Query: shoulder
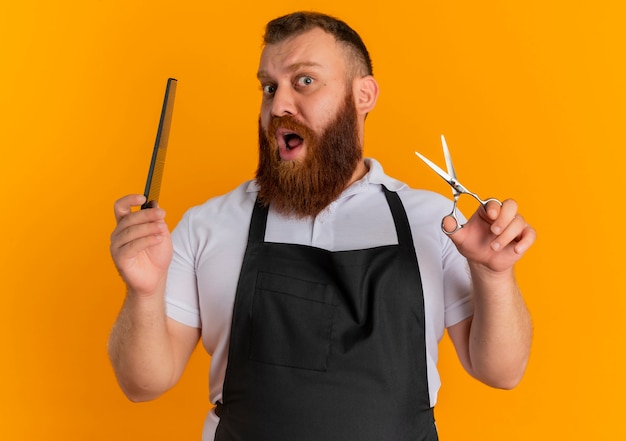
column 415, row 201
column 424, row 201
column 229, row 205
column 221, row 216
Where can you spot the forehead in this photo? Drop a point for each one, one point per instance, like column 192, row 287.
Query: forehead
column 315, row 48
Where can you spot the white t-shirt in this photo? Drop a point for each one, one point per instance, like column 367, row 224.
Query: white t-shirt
column 210, row 241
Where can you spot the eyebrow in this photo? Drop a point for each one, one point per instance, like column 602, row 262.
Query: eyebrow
column 293, row 68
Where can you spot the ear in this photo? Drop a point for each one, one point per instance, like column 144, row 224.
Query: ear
column 365, row 94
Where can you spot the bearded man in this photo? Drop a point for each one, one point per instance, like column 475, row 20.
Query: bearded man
column 321, row 288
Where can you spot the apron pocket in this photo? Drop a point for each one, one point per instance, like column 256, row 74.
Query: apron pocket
column 291, row 322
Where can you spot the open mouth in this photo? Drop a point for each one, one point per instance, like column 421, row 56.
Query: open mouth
column 289, row 143
column 292, row 140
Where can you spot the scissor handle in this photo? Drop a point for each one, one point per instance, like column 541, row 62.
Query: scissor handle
column 486, row 201
column 482, row 202
column 456, row 228
column 452, row 214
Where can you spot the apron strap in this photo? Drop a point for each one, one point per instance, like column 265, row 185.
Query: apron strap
column 258, row 222
column 400, row 219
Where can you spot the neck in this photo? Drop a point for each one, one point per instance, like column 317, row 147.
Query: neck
column 360, row 171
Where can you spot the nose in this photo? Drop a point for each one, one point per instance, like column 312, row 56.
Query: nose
column 283, row 102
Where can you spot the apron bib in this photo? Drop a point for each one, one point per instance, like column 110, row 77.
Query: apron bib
column 327, row 346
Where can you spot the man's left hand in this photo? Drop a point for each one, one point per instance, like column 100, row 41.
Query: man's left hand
column 496, row 236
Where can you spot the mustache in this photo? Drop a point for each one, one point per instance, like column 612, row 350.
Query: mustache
column 288, row 122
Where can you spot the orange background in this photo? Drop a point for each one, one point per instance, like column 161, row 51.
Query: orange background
column 530, row 95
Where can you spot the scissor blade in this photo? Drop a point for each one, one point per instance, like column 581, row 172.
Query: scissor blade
column 450, row 167
column 445, row 176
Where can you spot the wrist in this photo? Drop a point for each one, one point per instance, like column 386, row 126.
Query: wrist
column 485, row 278
column 151, row 299
column 147, row 289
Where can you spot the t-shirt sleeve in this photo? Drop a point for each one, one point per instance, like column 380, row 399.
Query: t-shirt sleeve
column 457, row 286
column 181, row 292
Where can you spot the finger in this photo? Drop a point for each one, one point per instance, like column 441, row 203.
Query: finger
column 525, row 240
column 492, row 209
column 127, row 242
column 135, row 244
column 501, row 215
column 137, row 223
column 123, row 206
column 139, row 217
column 512, row 233
column 128, row 231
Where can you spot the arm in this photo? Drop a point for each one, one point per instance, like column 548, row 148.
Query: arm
column 494, row 344
column 148, row 350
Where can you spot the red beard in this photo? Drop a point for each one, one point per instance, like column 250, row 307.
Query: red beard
column 305, row 187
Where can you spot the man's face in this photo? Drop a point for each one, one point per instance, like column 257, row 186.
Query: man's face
column 309, row 128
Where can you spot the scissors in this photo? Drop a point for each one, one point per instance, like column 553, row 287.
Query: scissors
column 457, row 188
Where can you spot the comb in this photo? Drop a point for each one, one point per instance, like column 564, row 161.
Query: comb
column 157, row 164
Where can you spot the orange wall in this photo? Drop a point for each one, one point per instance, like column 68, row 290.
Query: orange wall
column 530, row 95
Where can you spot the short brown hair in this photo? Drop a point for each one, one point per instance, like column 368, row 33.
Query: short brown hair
column 294, row 24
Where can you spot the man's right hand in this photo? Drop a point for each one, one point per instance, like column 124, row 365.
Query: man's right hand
column 141, row 246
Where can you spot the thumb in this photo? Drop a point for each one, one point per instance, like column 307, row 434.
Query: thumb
column 449, row 225
column 454, row 231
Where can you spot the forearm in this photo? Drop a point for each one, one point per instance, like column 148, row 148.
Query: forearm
column 140, row 348
column 501, row 329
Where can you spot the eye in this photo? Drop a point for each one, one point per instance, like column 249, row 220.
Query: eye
column 268, row 89
column 305, row 80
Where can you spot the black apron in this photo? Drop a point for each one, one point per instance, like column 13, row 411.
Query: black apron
column 327, row 346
